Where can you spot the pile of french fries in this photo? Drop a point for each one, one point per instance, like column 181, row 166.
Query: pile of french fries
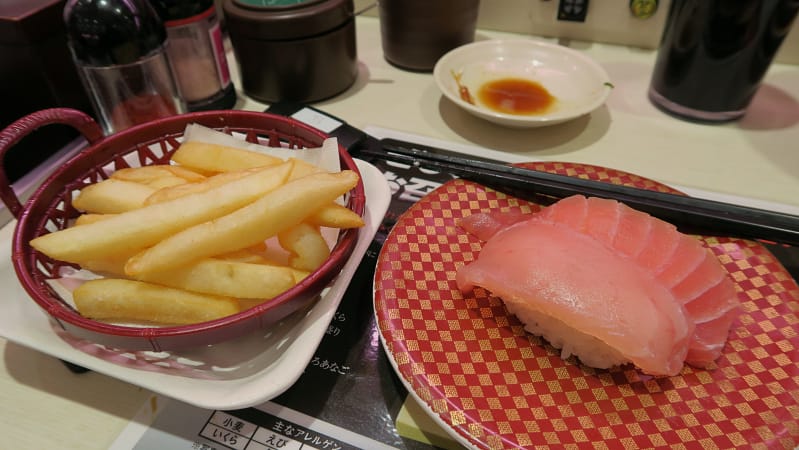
column 217, row 231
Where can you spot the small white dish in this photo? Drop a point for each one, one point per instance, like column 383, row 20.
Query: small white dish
column 576, row 83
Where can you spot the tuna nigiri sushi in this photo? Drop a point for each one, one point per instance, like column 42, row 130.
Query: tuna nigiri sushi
column 606, row 283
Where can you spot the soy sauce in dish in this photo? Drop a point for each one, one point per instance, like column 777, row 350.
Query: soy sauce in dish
column 515, row 96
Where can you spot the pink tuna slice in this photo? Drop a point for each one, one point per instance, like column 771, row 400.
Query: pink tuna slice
column 486, row 225
column 678, row 263
column 598, row 293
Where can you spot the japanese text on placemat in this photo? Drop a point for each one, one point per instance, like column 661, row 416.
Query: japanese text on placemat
column 274, row 433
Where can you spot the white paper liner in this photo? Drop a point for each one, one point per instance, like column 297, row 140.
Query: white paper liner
column 325, row 156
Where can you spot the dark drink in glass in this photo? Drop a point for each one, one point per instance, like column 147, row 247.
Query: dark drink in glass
column 714, row 54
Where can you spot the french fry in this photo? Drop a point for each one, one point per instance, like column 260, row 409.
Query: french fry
column 300, row 169
column 307, row 246
column 255, row 254
column 134, row 230
column 274, row 212
column 83, row 219
column 173, row 192
column 299, row 275
column 158, row 176
column 165, row 181
column 263, row 254
column 243, row 162
column 247, row 303
column 303, row 169
column 219, row 158
column 335, row 216
column 248, row 276
column 226, row 278
column 146, row 174
column 185, row 173
column 111, row 299
column 331, row 216
column 112, row 196
column 112, row 265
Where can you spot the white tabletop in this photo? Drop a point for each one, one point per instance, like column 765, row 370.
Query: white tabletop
column 46, row 406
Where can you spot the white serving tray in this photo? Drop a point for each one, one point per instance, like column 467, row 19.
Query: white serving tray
column 235, row 374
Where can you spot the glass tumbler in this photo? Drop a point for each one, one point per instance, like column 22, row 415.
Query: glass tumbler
column 714, row 54
column 124, row 95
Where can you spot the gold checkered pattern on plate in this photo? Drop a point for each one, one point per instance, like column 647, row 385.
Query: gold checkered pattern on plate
column 496, row 386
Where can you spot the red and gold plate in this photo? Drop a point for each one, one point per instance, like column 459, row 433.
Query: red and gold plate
column 492, row 385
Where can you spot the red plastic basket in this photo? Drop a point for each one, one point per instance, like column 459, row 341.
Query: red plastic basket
column 50, row 208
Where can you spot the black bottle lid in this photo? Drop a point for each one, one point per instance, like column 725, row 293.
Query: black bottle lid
column 180, row 9
column 110, row 32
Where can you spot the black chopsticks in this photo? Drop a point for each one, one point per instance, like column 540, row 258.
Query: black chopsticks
column 690, row 214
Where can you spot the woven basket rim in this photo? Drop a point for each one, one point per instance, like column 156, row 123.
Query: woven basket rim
column 276, row 129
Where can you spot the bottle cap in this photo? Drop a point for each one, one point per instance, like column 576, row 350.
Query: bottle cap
column 111, row 32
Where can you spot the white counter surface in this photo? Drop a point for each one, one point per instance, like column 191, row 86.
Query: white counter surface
column 756, row 157
column 46, row 406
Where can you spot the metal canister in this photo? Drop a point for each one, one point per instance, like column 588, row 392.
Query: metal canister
column 295, row 50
